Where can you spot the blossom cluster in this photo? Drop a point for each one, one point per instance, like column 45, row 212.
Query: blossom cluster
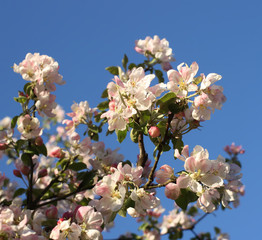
column 128, row 95
column 156, row 48
column 75, row 186
column 42, row 73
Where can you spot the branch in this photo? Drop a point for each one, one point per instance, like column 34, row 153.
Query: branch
column 160, row 148
column 51, row 184
column 143, row 156
column 63, row 197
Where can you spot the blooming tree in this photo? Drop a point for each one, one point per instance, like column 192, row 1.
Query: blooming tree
column 73, row 186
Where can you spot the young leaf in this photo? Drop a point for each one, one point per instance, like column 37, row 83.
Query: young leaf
column 104, row 94
column 121, row 135
column 77, row 166
column 19, row 192
column 125, row 61
column 42, row 149
column 26, row 159
column 13, row 122
column 113, row 70
column 159, row 75
column 103, row 105
column 185, row 198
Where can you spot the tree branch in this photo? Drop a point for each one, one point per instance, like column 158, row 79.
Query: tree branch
column 160, row 149
column 143, row 156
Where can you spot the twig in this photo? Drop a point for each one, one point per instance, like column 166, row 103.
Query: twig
column 160, row 149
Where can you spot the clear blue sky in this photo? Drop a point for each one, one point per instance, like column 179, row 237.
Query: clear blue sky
column 86, row 36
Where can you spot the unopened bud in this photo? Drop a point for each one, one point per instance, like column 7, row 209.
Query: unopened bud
column 42, row 173
column 51, row 212
column 3, row 146
column 39, row 141
column 25, row 170
column 154, row 132
column 57, row 152
column 17, row 173
column 172, row 191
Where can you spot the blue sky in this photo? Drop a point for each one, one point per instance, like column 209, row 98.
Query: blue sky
column 87, row 36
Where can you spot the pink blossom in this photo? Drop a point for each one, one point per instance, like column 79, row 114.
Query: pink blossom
column 29, row 127
column 164, row 174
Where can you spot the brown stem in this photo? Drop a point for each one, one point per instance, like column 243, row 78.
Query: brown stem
column 158, row 185
column 30, row 203
column 63, row 197
column 53, row 182
column 143, row 156
column 160, row 149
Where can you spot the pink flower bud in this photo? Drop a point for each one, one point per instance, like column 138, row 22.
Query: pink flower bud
column 39, row 141
column 3, row 146
column 17, row 173
column 154, row 132
column 67, row 215
column 25, row 170
column 172, row 191
column 42, row 173
column 57, row 152
column 51, row 212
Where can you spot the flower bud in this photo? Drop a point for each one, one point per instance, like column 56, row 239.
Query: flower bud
column 57, row 152
column 154, row 132
column 172, row 191
column 3, row 146
column 17, row 173
column 42, row 173
column 25, row 170
column 51, row 212
column 39, row 141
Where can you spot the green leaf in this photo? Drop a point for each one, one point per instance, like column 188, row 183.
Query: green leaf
column 13, row 122
column 93, row 128
column 159, row 75
column 113, row 70
column 49, row 223
column 192, row 211
column 125, row 61
column 27, row 88
column 19, row 145
column 146, row 116
column 20, row 99
column 42, row 149
column 103, row 105
column 166, row 148
column 128, row 203
column 121, row 135
column 88, row 180
column 134, row 135
column 186, row 196
column 94, row 136
column 104, row 94
column 144, row 226
column 19, row 192
column 77, row 166
column 26, row 159
column 217, row 230
column 131, row 66
column 168, row 96
column 177, row 144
